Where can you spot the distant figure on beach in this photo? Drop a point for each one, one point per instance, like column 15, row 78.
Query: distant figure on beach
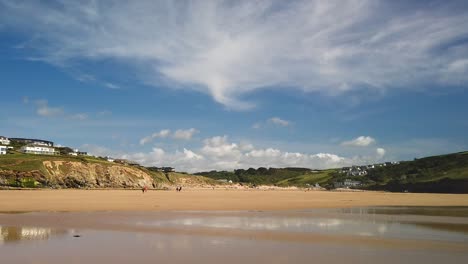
column 144, row 189
column 178, row 189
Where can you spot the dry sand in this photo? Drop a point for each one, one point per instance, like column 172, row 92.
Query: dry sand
column 134, row 200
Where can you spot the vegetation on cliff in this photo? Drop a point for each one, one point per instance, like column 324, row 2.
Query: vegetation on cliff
column 273, row 176
column 444, row 173
column 65, row 171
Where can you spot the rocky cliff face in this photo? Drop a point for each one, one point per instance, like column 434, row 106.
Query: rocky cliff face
column 75, row 174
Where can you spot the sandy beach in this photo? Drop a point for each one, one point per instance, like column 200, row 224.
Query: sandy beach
column 226, row 200
column 231, row 226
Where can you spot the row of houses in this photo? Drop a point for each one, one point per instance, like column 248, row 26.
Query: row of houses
column 33, row 146
column 46, row 147
column 347, row 183
column 38, row 149
column 363, row 170
column 37, row 142
column 165, row 169
column 354, row 170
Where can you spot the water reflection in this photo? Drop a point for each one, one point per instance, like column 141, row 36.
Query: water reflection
column 147, row 247
column 455, row 211
column 12, row 234
column 387, row 227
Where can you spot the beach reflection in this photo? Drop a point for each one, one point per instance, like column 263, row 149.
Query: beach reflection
column 453, row 211
column 322, row 236
column 12, row 234
column 389, row 227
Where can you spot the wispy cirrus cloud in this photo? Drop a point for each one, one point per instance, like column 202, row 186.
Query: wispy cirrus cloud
column 278, row 121
column 275, row 121
column 229, row 49
column 161, row 134
column 185, row 134
column 79, row 116
column 43, row 109
column 180, row 134
column 104, row 113
column 112, row 86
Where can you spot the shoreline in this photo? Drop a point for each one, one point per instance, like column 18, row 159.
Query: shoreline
column 76, row 200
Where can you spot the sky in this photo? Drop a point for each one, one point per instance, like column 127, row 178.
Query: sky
column 223, row 85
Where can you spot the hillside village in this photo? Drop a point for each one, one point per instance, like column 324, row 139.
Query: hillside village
column 355, row 171
column 46, row 147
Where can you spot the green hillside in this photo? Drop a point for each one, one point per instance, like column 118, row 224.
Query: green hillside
column 28, row 162
column 273, row 176
column 311, row 178
column 443, row 174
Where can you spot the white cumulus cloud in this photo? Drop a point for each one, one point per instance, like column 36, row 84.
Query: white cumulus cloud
column 380, row 152
column 362, row 141
column 221, row 154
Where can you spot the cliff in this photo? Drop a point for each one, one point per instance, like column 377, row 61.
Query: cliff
column 76, row 174
column 31, row 171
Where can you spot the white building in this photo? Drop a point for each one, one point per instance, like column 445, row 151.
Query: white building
column 35, row 149
column 347, row 183
column 4, row 140
column 3, row 150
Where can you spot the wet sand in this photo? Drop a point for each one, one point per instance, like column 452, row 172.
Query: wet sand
column 225, row 200
column 231, row 226
column 322, row 235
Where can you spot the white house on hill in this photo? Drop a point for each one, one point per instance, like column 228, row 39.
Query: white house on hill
column 76, row 152
column 3, row 150
column 38, row 149
column 4, row 140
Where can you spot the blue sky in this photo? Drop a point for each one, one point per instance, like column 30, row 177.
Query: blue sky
column 222, row 85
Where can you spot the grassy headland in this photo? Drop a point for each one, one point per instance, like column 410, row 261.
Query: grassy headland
column 65, row 171
column 443, row 173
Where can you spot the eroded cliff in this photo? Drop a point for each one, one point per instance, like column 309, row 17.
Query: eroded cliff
column 76, row 174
